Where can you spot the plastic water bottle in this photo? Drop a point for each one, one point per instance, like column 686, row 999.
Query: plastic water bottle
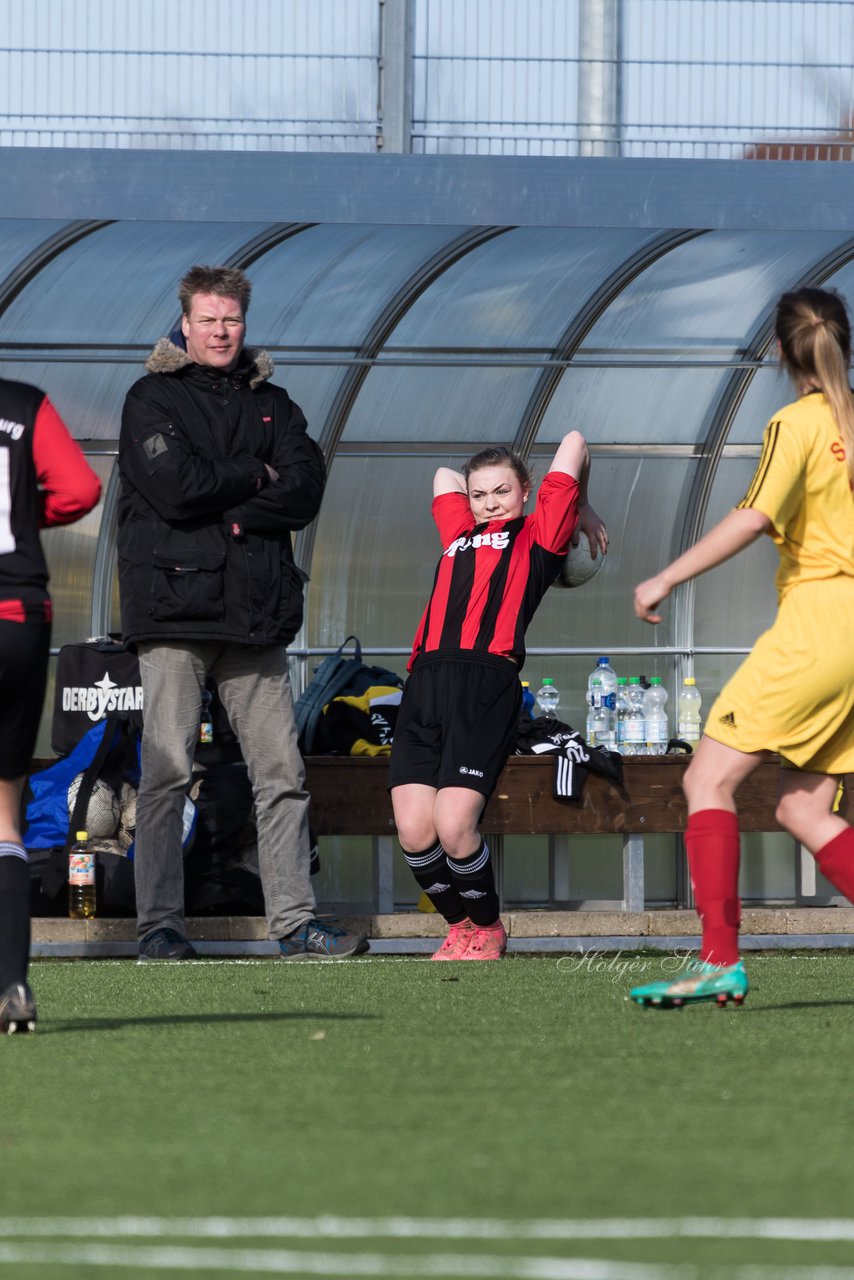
column 206, row 734
column 689, row 712
column 602, row 694
column 609, row 678
column 655, row 702
column 598, row 727
column 622, row 712
column 527, row 699
column 548, row 696
column 634, row 729
column 81, row 878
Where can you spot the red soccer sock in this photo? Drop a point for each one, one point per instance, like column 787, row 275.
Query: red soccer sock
column 713, row 845
column 836, row 862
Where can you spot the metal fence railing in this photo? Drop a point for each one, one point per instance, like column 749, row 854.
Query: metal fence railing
column 669, row 78
column 688, row 78
column 202, row 74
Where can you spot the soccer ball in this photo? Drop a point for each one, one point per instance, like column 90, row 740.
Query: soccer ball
column 578, row 565
column 102, row 814
column 127, row 822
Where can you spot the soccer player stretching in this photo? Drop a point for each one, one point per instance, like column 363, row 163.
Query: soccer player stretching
column 459, row 715
column 794, row 694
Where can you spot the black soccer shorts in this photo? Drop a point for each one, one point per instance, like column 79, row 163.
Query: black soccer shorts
column 24, row 651
column 458, row 721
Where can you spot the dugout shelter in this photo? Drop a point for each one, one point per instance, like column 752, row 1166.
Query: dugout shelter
column 420, row 308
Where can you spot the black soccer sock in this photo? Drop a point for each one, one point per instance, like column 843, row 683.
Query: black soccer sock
column 430, row 868
column 474, row 878
column 14, row 913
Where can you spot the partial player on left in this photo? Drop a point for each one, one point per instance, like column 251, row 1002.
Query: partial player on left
column 44, row 480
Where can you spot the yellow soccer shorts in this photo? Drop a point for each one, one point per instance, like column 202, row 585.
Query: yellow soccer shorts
column 794, row 694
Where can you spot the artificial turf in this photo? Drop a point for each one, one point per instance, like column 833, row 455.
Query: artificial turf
column 369, row 1089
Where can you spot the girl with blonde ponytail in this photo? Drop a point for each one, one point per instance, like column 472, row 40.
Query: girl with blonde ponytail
column 814, row 337
column 794, row 694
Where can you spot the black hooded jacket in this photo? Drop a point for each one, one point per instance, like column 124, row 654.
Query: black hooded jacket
column 204, row 536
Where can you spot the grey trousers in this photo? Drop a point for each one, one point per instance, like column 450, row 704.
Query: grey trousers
column 255, row 691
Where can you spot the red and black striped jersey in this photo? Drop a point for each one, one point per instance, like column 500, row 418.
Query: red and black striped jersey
column 44, row 480
column 491, row 577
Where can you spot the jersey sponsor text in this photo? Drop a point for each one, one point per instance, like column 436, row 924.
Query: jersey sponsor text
column 498, row 540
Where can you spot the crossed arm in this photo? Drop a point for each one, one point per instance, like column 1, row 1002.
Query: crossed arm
column 269, row 498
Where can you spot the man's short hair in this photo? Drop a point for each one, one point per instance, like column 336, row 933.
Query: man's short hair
column 225, row 282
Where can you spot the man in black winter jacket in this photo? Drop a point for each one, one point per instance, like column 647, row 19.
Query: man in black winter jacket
column 217, row 471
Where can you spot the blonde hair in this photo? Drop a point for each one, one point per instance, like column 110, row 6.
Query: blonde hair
column 225, row 282
column 815, row 347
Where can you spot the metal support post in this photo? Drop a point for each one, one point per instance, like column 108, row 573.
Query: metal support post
column 395, row 76
column 599, row 77
column 559, row 856
column 496, row 849
column 634, row 896
column 805, row 881
column 383, row 854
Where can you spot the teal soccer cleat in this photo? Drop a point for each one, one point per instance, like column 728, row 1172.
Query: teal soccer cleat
column 701, row 982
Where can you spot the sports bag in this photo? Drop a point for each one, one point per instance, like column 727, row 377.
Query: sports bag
column 336, row 676
column 94, row 679
column 101, row 773
column 360, row 724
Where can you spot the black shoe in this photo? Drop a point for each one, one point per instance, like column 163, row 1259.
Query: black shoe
column 17, row 1010
column 166, row 944
column 319, row 940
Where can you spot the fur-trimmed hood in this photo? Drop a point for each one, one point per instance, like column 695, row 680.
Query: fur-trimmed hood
column 168, row 357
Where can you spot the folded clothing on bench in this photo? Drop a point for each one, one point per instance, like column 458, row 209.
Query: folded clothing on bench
column 574, row 757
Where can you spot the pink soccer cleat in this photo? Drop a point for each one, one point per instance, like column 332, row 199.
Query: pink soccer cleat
column 456, row 944
column 487, row 943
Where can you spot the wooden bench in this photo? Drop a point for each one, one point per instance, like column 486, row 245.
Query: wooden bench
column 349, row 797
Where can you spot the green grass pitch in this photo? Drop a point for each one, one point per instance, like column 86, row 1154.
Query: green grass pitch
column 392, row 1117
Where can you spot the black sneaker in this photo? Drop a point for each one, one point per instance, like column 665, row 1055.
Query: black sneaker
column 17, row 1010
column 321, row 940
column 165, row 944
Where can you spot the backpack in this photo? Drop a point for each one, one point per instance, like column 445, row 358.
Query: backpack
column 360, row 724
column 103, row 770
column 336, row 676
column 104, row 764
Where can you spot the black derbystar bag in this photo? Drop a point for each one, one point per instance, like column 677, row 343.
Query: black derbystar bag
column 94, row 679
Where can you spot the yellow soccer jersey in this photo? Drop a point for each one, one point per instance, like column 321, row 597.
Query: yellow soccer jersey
column 802, row 486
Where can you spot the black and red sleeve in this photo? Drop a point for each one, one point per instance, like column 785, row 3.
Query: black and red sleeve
column 69, row 486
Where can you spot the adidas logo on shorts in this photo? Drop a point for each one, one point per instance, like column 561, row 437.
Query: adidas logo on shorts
column 729, row 719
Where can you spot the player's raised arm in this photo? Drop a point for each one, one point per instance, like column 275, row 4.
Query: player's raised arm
column 446, row 480
column 573, row 458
